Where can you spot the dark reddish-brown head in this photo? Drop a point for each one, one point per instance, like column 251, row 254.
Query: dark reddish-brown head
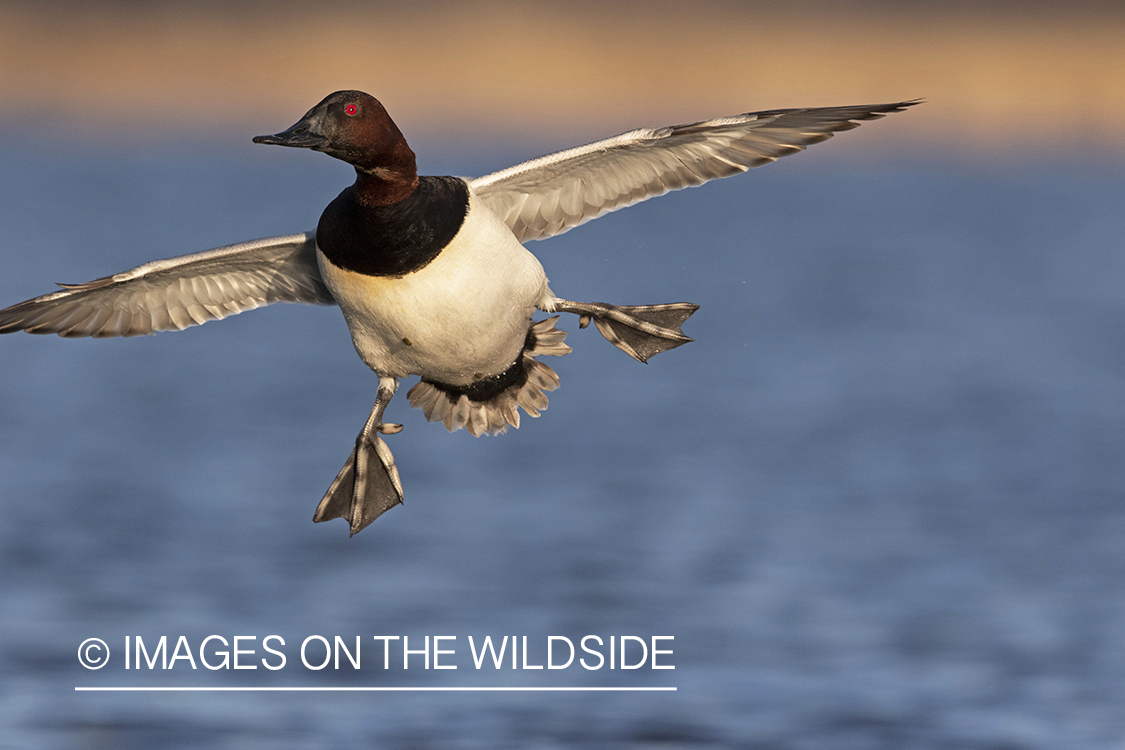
column 352, row 126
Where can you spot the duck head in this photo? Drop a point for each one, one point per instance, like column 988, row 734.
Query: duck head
column 354, row 127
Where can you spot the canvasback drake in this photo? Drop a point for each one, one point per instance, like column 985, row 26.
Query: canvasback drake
column 431, row 273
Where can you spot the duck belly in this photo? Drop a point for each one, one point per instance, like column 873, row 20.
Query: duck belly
column 463, row 316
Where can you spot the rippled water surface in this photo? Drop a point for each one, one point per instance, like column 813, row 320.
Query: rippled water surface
column 879, row 503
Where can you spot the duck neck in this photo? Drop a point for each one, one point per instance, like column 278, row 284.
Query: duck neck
column 389, row 182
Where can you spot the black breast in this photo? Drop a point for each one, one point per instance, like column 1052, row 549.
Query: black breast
column 396, row 239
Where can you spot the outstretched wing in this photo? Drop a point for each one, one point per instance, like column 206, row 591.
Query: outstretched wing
column 555, row 193
column 178, row 292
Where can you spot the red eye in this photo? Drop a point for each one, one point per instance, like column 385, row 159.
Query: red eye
column 351, row 110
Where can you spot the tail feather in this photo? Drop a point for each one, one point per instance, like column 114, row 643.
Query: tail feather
column 492, row 412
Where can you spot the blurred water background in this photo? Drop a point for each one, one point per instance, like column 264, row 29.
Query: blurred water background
column 878, row 502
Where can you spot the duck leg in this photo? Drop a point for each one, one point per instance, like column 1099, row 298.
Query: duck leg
column 641, row 331
column 368, row 485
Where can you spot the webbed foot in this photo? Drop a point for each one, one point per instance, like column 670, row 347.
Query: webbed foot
column 368, row 485
column 641, row 331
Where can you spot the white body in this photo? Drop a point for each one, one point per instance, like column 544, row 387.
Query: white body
column 462, row 317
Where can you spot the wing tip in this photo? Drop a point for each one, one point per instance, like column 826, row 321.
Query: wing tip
column 881, row 110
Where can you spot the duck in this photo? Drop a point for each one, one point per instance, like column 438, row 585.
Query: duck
column 432, row 274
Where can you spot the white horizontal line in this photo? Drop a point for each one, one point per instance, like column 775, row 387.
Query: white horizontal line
column 370, row 689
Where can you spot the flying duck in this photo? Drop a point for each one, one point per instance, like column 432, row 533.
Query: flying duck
column 431, row 273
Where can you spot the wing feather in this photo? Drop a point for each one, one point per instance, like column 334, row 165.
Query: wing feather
column 555, row 193
column 179, row 292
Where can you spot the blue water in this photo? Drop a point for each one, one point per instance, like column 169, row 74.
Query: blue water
column 879, row 503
